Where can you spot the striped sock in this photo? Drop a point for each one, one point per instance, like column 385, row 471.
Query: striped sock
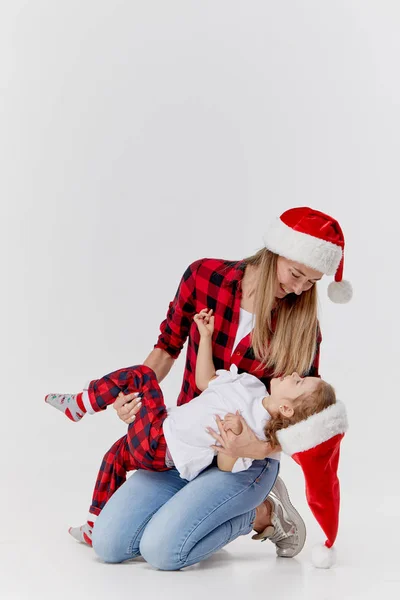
column 70, row 404
column 84, row 533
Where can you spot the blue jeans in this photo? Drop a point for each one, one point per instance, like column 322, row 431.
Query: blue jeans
column 173, row 523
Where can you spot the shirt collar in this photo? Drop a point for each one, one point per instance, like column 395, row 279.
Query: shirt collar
column 235, row 273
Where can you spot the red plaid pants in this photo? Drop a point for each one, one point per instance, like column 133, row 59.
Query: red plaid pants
column 143, row 447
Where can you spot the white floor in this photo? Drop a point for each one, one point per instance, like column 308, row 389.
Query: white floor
column 38, row 559
column 48, row 467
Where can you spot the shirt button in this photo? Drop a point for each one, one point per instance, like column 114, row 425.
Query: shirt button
column 238, row 353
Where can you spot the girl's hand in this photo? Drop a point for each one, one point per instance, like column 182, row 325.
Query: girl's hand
column 244, row 445
column 205, row 322
column 232, row 423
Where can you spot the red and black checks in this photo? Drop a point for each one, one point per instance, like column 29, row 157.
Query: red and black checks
column 206, row 283
column 143, row 447
column 212, row 283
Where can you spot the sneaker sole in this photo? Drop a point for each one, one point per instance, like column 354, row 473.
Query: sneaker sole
column 293, row 515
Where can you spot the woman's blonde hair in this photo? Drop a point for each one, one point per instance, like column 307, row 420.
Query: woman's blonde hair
column 304, row 406
column 291, row 344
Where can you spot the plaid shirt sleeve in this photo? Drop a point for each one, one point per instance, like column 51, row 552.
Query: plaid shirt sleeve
column 175, row 327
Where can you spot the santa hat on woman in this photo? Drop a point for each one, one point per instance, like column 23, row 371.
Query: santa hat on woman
column 315, row 445
column 314, row 239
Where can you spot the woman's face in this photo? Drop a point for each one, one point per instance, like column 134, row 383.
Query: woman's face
column 294, row 278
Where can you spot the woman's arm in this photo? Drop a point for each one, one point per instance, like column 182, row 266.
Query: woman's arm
column 173, row 333
column 161, row 362
column 174, row 330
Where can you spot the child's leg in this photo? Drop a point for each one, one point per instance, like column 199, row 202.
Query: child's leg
column 143, row 447
column 145, row 435
column 116, row 462
column 70, row 404
column 102, row 392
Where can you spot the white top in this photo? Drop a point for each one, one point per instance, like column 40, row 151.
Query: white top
column 246, row 324
column 185, row 426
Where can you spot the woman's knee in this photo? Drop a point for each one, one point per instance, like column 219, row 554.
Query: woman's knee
column 123, row 520
column 159, row 552
column 106, row 545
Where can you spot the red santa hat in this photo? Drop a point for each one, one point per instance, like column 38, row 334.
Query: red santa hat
column 314, row 239
column 315, row 445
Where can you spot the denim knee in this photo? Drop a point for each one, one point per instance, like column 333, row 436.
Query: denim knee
column 158, row 553
column 106, row 547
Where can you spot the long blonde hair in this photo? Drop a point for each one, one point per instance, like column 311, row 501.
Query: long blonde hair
column 291, row 345
column 304, row 406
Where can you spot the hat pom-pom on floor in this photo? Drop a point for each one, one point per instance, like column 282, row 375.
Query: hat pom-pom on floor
column 323, row 557
column 340, row 292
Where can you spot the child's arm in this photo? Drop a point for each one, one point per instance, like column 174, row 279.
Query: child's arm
column 225, row 463
column 232, row 426
column 205, row 369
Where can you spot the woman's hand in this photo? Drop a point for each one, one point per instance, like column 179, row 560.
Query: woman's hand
column 244, row 445
column 205, row 322
column 127, row 405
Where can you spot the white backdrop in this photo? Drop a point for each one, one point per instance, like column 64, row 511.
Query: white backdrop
column 139, row 136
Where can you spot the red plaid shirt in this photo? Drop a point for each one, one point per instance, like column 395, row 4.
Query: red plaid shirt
column 212, row 283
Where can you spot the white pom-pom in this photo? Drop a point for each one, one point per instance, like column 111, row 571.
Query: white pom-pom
column 340, row 292
column 323, row 557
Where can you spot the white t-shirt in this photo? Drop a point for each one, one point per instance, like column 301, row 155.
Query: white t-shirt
column 246, row 324
column 185, row 426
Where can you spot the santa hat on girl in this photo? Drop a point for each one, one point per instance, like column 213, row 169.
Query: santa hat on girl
column 315, row 445
column 314, row 239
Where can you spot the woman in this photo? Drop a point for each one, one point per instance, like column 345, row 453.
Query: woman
column 173, row 523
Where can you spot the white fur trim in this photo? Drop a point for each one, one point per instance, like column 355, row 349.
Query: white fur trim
column 303, row 248
column 340, row 292
column 315, row 430
column 323, row 557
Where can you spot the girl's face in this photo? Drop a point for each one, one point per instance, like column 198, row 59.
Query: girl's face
column 292, row 386
column 294, row 278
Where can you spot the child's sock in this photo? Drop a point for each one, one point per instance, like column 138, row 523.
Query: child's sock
column 70, row 404
column 84, row 533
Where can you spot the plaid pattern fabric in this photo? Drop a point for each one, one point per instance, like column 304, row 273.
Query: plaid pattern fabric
column 139, row 378
column 112, row 474
column 144, row 446
column 212, row 283
column 206, row 283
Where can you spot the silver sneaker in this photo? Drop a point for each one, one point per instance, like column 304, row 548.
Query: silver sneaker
column 288, row 530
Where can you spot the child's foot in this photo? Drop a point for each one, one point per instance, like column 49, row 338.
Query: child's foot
column 70, row 404
column 83, row 533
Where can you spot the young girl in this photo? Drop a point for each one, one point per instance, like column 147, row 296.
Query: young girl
column 158, row 440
